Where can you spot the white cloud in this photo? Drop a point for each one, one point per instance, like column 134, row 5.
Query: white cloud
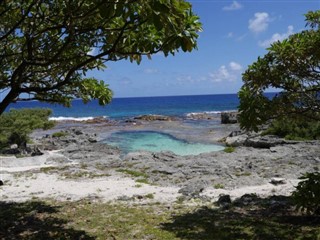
column 233, row 6
column 93, row 52
column 222, row 74
column 235, row 66
column 260, row 22
column 225, row 73
column 276, row 37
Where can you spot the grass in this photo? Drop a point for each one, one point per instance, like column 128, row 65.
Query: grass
column 53, row 169
column 83, row 174
column 133, row 173
column 95, row 220
column 141, row 177
column 142, row 180
column 218, row 186
column 59, row 134
column 149, row 196
column 229, row 149
column 101, row 166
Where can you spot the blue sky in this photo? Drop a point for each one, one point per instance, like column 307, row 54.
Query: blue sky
column 235, row 34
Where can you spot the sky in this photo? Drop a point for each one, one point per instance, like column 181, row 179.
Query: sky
column 234, row 34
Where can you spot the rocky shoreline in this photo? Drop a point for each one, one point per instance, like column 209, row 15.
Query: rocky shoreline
column 262, row 165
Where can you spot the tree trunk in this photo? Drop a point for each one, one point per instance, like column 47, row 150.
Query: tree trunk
column 7, row 100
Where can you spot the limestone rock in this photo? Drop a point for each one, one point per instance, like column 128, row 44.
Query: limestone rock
column 202, row 116
column 236, row 141
column 264, row 142
column 229, row 117
column 192, row 190
column 153, row 117
column 224, row 201
column 278, row 181
column 246, row 199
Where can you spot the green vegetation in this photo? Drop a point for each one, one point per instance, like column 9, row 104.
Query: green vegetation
column 218, row 186
column 292, row 66
column 16, row 125
column 54, row 169
column 295, row 129
column 59, row 134
column 133, row 173
column 82, row 174
column 95, row 220
column 307, row 193
column 49, row 46
column 141, row 177
column 149, row 196
column 142, row 180
column 229, row 149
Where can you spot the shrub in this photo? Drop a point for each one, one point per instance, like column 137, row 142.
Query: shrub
column 59, row 134
column 295, row 129
column 218, row 186
column 307, row 194
column 229, row 149
column 16, row 125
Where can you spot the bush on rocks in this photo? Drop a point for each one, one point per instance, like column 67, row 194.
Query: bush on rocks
column 307, row 194
column 295, row 129
column 16, row 125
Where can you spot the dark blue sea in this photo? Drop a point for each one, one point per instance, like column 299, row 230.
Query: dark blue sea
column 121, row 108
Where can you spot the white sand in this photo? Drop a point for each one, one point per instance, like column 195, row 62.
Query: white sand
column 21, row 184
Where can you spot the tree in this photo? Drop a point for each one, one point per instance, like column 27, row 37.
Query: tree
column 16, row 125
column 291, row 66
column 48, row 46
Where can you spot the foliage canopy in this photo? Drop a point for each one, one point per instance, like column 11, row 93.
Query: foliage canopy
column 47, row 47
column 291, row 66
column 307, row 193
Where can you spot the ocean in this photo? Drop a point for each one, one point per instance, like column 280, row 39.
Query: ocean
column 122, row 108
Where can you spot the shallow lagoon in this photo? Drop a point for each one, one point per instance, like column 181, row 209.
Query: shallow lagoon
column 131, row 141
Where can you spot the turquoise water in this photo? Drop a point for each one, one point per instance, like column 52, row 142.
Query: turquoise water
column 130, row 141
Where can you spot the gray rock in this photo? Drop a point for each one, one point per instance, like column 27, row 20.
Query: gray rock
column 193, row 189
column 124, row 198
column 237, row 141
column 14, row 146
column 277, row 181
column 153, row 117
column 92, row 140
column 229, row 117
column 246, row 199
column 235, row 133
column 202, row 116
column 264, row 142
column 224, row 201
column 35, row 151
column 78, row 132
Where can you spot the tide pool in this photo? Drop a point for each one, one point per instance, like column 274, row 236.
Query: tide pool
column 131, row 141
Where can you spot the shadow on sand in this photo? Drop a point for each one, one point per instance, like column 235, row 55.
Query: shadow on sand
column 34, row 220
column 271, row 218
